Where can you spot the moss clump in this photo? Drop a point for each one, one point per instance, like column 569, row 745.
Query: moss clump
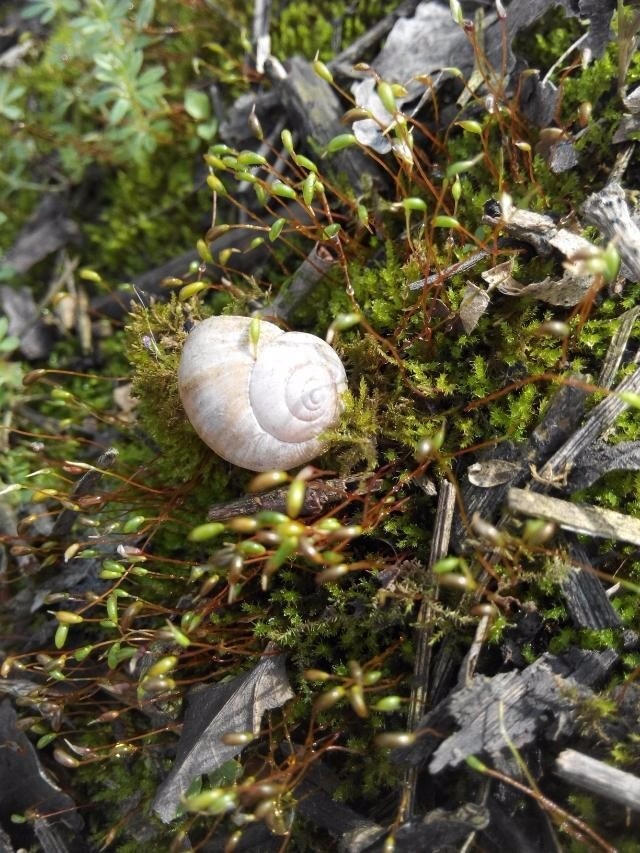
column 337, row 592
column 309, row 29
column 154, row 339
column 149, row 214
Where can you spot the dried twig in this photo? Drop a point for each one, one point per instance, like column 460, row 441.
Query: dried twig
column 422, row 665
column 599, row 778
column 319, row 495
column 449, row 272
column 580, row 518
column 260, row 32
column 618, row 346
column 308, row 275
column 85, row 485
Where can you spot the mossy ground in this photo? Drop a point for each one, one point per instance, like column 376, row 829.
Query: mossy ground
column 413, row 374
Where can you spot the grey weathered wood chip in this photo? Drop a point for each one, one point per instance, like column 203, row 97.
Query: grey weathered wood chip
column 580, row 518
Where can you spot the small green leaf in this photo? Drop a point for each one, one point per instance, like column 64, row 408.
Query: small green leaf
column 214, row 183
column 308, row 188
column 446, row 564
column 119, row 110
column 475, row 763
column 89, row 274
column 207, row 130
column 197, row 105
column 287, row 140
column 346, row 321
column 386, row 95
column 144, row 15
column 463, row 166
column 133, row 524
column 295, row 498
column 202, row 248
column 118, row 655
column 251, row 158
column 303, row 161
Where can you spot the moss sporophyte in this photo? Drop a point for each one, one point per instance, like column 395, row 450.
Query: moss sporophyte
column 151, row 568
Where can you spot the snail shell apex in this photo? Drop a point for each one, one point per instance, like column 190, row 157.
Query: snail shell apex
column 261, row 404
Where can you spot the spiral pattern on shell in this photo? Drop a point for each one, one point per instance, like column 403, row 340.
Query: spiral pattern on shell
column 260, row 404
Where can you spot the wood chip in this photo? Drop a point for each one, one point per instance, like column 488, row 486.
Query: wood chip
column 599, row 778
column 601, row 458
column 618, row 346
column 518, row 704
column 608, row 210
column 580, row 518
column 475, row 302
column 566, row 291
column 585, row 596
column 48, row 229
column 305, row 279
column 319, row 494
column 539, row 230
column 25, row 322
column 601, row 418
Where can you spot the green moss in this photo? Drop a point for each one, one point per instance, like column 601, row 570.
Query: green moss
column 308, row 28
column 150, row 213
column 413, row 372
column 119, row 794
column 154, row 338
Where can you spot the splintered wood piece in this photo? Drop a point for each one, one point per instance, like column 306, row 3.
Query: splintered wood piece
column 599, row 778
column 580, row 518
column 473, row 720
column 217, row 709
column 587, row 602
column 422, row 665
column 314, row 110
column 318, row 495
column 559, row 421
column 344, row 61
column 47, row 230
column 566, row 291
column 618, row 346
column 608, row 211
column 539, row 230
column 353, row 832
column 514, row 705
column 602, row 417
column 308, row 275
column 601, row 458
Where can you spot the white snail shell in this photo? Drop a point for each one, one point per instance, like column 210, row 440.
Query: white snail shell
column 260, row 404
